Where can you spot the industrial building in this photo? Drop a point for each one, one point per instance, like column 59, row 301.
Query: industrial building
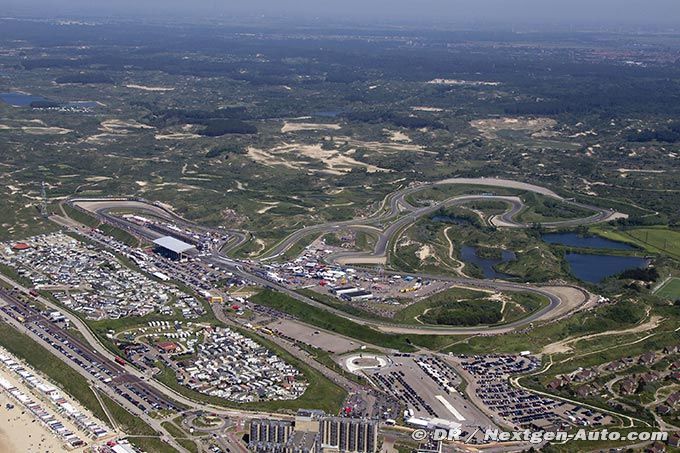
column 172, row 248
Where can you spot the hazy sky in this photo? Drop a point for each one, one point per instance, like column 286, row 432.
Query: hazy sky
column 606, row 12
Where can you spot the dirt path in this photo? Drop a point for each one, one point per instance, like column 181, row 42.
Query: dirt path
column 565, row 346
column 461, row 265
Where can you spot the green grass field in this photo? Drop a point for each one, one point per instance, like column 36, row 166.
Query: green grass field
column 326, row 320
column 659, row 240
column 670, row 289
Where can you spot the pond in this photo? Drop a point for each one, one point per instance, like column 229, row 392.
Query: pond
column 19, row 99
column 469, row 255
column 595, row 268
column 576, row 240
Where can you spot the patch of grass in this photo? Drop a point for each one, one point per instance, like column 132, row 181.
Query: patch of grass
column 128, row 422
column 13, row 275
column 333, row 302
column 465, row 307
column 139, row 433
column 659, row 240
column 80, row 216
column 670, row 289
column 410, row 313
column 151, row 445
column 545, row 209
column 110, row 230
column 334, row 323
column 117, row 233
column 180, row 436
column 622, row 315
column 329, row 321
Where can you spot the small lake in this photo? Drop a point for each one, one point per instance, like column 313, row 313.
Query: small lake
column 469, row 255
column 575, row 240
column 18, row 99
column 595, row 268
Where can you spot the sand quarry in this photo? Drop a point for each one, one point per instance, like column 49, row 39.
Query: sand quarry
column 336, row 162
column 289, row 126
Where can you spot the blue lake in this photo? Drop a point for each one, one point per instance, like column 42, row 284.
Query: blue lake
column 595, row 268
column 20, row 99
column 575, row 240
column 469, row 255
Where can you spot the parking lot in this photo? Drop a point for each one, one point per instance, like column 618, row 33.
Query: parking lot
column 426, row 385
column 321, row 339
column 74, row 351
column 489, row 380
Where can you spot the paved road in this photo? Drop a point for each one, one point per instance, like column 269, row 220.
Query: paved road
column 7, row 297
column 555, row 301
column 100, row 349
column 390, row 208
column 396, row 204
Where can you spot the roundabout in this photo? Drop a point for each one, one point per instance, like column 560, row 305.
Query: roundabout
column 356, row 363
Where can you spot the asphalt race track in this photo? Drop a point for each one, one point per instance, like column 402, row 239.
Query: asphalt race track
column 562, row 299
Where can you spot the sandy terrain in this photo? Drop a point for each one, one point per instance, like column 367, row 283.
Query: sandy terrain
column 336, row 162
column 397, row 136
column 361, row 260
column 176, row 136
column 489, row 127
column 115, row 126
column 639, row 170
column 294, row 127
column 424, row 108
column 97, row 178
column 269, row 160
column 148, row 88
column 99, row 139
column 424, row 252
column 270, row 205
column 572, row 300
column 36, row 130
column 383, row 147
column 476, row 83
column 22, row 432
